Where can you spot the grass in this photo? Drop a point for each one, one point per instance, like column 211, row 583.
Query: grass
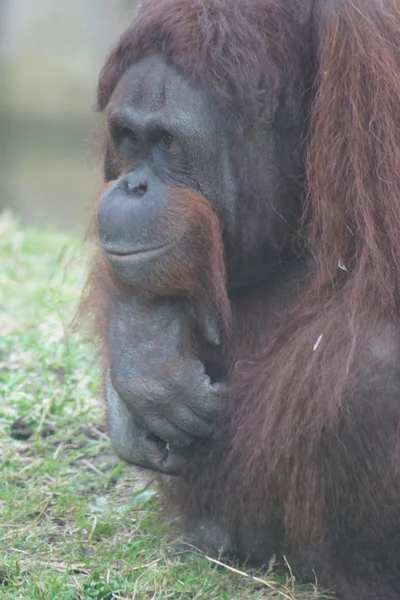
column 75, row 523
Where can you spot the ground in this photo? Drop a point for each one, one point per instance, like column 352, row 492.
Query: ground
column 75, row 523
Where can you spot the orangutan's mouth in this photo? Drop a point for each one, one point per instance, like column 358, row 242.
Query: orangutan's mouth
column 138, row 255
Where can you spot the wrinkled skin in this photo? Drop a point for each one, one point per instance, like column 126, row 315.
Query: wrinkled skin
column 156, row 391
column 165, row 133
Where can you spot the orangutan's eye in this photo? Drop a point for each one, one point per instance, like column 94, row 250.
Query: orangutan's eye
column 130, row 136
column 168, row 143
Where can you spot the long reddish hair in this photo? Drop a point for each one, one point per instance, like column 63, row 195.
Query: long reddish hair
column 294, row 396
column 288, row 405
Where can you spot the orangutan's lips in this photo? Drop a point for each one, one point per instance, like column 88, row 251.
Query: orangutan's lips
column 139, row 255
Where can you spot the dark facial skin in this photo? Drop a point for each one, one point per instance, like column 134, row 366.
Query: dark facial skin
column 166, row 133
column 158, row 236
column 166, row 386
column 163, row 133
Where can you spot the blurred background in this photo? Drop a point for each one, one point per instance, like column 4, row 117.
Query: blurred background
column 51, row 52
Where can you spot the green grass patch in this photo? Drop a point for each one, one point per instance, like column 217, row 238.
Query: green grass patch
column 75, row 523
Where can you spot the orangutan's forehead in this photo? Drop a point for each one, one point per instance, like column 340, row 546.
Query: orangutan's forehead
column 153, row 86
